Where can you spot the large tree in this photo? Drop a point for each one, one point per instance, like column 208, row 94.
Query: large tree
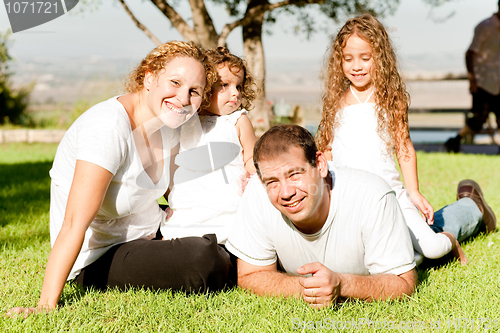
column 254, row 16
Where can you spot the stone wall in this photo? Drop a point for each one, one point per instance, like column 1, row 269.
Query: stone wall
column 31, row 135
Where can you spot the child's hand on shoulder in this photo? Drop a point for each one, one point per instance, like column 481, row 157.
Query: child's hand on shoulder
column 328, row 154
column 243, row 181
column 169, row 213
column 423, row 205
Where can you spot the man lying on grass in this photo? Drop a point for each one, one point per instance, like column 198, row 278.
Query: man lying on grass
column 334, row 233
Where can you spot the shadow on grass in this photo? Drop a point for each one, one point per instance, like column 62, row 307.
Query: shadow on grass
column 24, row 192
column 30, row 239
column 73, row 293
column 428, row 264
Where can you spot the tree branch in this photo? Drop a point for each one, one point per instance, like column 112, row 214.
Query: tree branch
column 140, row 25
column 258, row 10
column 177, row 21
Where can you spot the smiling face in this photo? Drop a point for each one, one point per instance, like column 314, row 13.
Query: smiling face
column 297, row 189
column 226, row 93
column 176, row 93
column 357, row 62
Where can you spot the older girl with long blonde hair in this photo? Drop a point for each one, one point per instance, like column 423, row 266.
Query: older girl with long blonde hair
column 365, row 121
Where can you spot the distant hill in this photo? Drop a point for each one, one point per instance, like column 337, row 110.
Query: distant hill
column 294, row 81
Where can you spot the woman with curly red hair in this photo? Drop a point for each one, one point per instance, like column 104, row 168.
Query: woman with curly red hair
column 109, row 170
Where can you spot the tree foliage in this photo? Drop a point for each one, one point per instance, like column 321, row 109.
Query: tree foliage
column 256, row 17
column 13, row 102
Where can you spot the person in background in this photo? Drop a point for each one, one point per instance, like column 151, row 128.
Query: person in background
column 483, row 72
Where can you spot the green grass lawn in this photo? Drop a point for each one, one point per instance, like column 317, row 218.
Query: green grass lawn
column 448, row 297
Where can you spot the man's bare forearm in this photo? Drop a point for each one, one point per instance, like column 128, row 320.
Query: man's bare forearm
column 271, row 283
column 267, row 281
column 378, row 287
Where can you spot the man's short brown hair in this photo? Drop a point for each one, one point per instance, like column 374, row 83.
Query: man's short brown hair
column 279, row 139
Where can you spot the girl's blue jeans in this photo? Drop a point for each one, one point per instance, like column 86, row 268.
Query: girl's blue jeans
column 462, row 219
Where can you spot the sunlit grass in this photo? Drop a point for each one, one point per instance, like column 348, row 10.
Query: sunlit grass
column 446, row 296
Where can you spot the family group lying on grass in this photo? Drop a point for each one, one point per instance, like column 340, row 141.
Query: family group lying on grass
column 304, row 227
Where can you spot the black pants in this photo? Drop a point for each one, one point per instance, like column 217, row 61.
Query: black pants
column 482, row 104
column 190, row 264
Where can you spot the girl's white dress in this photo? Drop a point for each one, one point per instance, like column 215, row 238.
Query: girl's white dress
column 205, row 193
column 357, row 144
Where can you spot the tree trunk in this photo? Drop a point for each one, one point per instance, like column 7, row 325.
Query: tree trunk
column 203, row 25
column 254, row 57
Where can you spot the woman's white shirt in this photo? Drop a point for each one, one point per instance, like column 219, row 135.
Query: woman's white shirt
column 103, row 136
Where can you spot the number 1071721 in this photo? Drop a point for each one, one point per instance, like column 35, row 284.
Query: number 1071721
column 35, row 7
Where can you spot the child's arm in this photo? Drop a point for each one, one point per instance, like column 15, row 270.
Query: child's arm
column 408, row 165
column 247, row 139
column 173, row 167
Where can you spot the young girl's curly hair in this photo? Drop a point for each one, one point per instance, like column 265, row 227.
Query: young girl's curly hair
column 390, row 93
column 221, row 57
column 157, row 59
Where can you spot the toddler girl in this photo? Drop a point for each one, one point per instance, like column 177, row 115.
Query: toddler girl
column 216, row 150
column 365, row 121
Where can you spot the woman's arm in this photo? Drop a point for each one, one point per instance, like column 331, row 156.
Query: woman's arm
column 89, row 186
column 408, row 165
column 247, row 140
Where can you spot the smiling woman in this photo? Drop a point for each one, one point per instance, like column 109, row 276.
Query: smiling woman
column 110, row 168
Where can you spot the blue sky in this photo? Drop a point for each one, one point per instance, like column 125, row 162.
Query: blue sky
column 421, row 42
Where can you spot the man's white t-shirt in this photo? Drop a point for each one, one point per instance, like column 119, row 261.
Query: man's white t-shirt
column 103, row 136
column 365, row 232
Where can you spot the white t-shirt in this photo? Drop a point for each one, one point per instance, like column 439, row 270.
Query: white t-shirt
column 486, row 45
column 205, row 194
column 103, row 136
column 365, row 232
